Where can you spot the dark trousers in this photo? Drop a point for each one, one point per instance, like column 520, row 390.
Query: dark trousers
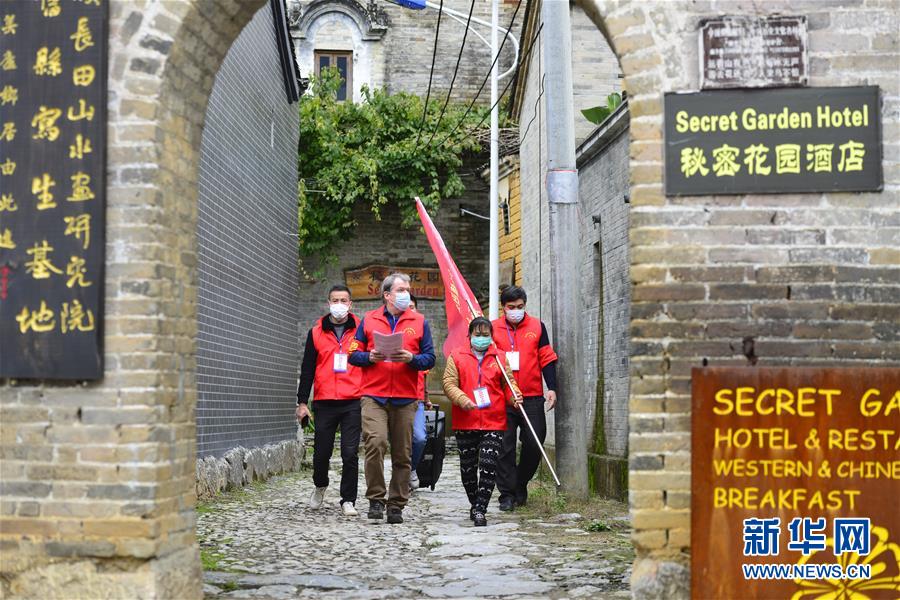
column 479, row 452
column 512, row 479
column 329, row 416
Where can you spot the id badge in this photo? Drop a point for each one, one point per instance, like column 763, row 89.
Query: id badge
column 482, row 400
column 340, row 363
column 513, row 358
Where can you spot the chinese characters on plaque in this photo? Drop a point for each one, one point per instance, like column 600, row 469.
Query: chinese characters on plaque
column 745, row 51
column 53, row 56
column 770, row 141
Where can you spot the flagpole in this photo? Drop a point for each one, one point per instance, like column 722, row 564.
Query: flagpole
column 474, row 313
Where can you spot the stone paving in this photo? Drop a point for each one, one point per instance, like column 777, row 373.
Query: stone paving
column 264, row 542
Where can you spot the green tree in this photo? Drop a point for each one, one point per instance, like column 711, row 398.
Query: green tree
column 368, row 153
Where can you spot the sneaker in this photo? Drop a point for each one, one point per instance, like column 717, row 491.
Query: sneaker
column 348, row 510
column 376, row 510
column 317, row 498
column 413, row 480
column 395, row 516
column 480, row 519
column 507, row 505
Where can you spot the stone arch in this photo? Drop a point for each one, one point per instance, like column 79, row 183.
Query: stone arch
column 370, row 22
column 135, row 535
column 642, row 46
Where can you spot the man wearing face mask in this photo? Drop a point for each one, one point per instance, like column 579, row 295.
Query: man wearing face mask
column 336, row 390
column 527, row 346
column 390, row 393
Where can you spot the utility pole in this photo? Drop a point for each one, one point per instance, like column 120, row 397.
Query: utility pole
column 562, row 193
column 494, row 254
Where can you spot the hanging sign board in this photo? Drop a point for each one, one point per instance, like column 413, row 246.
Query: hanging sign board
column 795, row 476
column 52, row 187
column 365, row 282
column 773, row 141
column 746, row 51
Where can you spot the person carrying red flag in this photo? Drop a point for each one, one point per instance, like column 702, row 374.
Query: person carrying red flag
column 474, row 383
column 533, row 361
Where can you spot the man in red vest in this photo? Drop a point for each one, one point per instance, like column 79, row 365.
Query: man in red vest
column 390, row 393
column 336, row 390
column 533, row 362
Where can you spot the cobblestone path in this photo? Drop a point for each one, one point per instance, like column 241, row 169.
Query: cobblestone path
column 264, row 542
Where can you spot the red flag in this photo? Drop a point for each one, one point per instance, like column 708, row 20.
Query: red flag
column 459, row 300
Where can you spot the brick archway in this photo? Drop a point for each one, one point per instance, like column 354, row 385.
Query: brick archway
column 115, row 511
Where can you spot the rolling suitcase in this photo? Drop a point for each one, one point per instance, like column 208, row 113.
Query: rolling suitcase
column 432, row 463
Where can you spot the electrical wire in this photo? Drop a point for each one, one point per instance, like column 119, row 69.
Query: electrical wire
column 455, row 72
column 490, row 70
column 437, row 34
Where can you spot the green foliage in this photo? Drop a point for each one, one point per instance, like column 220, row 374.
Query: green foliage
column 598, row 114
column 598, row 525
column 367, row 154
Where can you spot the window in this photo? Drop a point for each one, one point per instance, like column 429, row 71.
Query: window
column 343, row 61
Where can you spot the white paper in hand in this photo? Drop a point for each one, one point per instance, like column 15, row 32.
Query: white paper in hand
column 388, row 344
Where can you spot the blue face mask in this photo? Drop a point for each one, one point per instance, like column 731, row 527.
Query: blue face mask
column 481, row 342
column 402, row 300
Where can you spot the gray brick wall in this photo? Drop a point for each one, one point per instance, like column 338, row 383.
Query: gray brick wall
column 603, row 185
column 247, row 307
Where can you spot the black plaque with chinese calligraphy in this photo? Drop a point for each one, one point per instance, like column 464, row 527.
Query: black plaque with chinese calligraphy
column 750, row 51
column 52, row 187
column 773, row 141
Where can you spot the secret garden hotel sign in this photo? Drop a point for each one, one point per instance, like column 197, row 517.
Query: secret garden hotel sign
column 52, row 187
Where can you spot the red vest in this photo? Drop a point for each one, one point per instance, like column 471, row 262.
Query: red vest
column 524, row 338
column 328, row 385
column 388, row 379
column 493, row 417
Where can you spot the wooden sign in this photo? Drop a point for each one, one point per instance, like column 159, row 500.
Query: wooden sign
column 53, row 57
column 750, row 51
column 773, row 141
column 795, row 481
column 365, row 282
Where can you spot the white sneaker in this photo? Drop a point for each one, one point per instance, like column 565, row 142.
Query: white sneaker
column 413, row 480
column 348, row 509
column 317, row 498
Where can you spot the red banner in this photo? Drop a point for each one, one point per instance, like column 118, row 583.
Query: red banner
column 459, row 300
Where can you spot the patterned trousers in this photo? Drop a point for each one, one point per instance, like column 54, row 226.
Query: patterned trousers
column 479, row 454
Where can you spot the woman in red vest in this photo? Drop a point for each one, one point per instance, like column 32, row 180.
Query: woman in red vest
column 474, row 383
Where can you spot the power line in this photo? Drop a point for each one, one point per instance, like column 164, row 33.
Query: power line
column 455, row 71
column 486, row 77
column 508, row 84
column 437, row 33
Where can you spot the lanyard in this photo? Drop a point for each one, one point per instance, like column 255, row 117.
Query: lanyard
column 512, row 337
column 480, row 360
column 340, row 340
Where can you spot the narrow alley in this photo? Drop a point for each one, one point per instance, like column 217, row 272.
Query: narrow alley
column 264, row 542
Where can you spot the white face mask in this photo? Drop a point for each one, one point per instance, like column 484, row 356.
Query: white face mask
column 338, row 310
column 515, row 316
column 401, row 300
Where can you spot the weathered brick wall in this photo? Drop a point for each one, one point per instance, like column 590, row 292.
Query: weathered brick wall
column 813, row 278
column 247, row 304
column 98, row 479
column 603, row 190
column 511, row 243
